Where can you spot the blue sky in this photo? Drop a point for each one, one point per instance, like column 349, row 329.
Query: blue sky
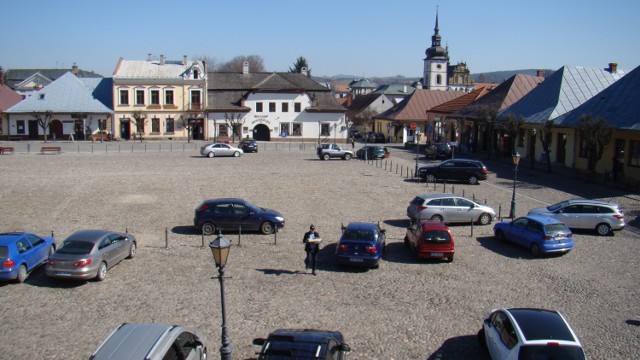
column 357, row 37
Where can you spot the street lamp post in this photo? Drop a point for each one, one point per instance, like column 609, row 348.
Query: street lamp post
column 516, row 160
column 415, row 137
column 220, row 251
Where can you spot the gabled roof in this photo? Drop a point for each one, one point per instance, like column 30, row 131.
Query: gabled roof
column 460, row 102
column 415, row 107
column 618, row 104
column 360, row 103
column 505, row 94
column 563, row 91
column 363, row 83
column 15, row 76
column 395, row 90
column 34, row 81
column 8, row 97
column 68, row 94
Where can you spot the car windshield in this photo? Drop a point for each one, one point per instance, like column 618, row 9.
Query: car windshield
column 293, row 350
column 75, row 247
column 437, row 236
column 358, row 235
column 4, row 252
column 550, row 352
column 557, row 206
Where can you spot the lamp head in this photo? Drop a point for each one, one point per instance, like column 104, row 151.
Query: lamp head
column 516, row 158
column 220, row 250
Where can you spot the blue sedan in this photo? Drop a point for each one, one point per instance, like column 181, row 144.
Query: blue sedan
column 21, row 252
column 361, row 244
column 539, row 234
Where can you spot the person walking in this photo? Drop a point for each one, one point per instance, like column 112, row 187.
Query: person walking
column 311, row 242
column 353, row 143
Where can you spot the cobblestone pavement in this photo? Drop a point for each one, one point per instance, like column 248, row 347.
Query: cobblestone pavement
column 406, row 309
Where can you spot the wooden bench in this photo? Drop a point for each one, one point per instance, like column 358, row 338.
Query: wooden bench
column 7, row 150
column 50, row 149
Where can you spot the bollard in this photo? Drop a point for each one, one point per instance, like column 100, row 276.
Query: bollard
column 453, row 189
column 239, row 234
column 434, row 186
column 472, row 227
column 462, row 192
column 166, row 238
column 52, row 234
column 202, row 236
column 28, row 148
column 385, row 165
column 396, row 169
column 126, row 230
column 275, row 235
column 500, row 212
column 474, row 197
column 485, row 201
column 444, row 186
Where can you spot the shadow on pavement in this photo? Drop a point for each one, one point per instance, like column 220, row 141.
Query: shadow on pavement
column 460, row 347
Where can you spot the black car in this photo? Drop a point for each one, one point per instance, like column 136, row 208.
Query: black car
column 230, row 214
column 355, row 133
column 374, row 137
column 302, row 344
column 438, row 151
column 248, row 145
column 466, row 170
column 370, row 152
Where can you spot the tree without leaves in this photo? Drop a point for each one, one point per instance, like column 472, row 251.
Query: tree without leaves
column 210, row 63
column 256, row 64
column 596, row 134
column 44, row 121
column 487, row 121
column 140, row 120
column 512, row 124
column 235, row 124
column 546, row 134
column 300, row 63
column 189, row 124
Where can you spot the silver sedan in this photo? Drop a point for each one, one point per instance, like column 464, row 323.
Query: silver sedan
column 88, row 254
column 220, row 149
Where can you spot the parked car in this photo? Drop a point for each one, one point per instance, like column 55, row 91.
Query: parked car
column 602, row 216
column 370, row 152
column 230, row 214
column 430, row 239
column 22, row 252
column 355, row 133
column 449, row 208
column 540, row 234
column 248, row 145
column 438, row 151
column 330, row 151
column 528, row 334
column 375, row 137
column 361, row 244
column 466, row 170
column 220, row 149
column 302, row 344
column 151, row 341
column 88, row 254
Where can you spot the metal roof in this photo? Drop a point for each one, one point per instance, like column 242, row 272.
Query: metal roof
column 563, row 91
column 416, row 105
column 141, row 69
column 16, row 76
column 619, row 105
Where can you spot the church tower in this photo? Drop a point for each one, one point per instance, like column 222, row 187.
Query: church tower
column 436, row 63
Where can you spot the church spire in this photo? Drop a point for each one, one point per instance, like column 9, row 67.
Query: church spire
column 435, row 39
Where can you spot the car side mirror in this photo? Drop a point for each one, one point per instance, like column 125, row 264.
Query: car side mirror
column 487, row 321
column 344, row 348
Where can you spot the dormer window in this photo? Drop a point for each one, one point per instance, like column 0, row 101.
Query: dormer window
column 41, row 97
column 195, row 74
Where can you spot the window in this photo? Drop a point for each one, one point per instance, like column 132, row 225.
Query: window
column 23, row 245
column 155, row 97
column 297, row 129
column 195, row 97
column 139, row 97
column 169, row 125
column 102, row 124
column 325, row 129
column 124, row 97
column 155, row 125
column 20, row 126
column 258, row 107
column 272, row 107
column 168, row 97
column 285, row 107
column 223, row 130
column 438, row 79
column 520, row 137
column 297, row 107
column 284, row 128
column 35, row 241
column 634, row 150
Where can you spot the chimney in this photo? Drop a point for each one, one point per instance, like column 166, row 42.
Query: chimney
column 245, row 67
column 184, row 60
column 161, row 59
column 74, row 69
column 149, row 57
column 539, row 73
column 404, row 89
column 304, row 71
column 613, row 67
column 1, row 76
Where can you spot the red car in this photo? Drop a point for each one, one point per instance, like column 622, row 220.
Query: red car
column 430, row 239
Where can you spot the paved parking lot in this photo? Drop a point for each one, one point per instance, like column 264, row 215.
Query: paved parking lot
column 404, row 310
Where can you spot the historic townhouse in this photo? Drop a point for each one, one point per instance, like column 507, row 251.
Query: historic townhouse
column 159, row 99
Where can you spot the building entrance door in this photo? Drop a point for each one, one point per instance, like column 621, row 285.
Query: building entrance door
column 261, row 133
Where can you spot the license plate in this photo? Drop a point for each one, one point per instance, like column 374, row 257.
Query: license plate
column 437, row 254
column 63, row 273
column 355, row 260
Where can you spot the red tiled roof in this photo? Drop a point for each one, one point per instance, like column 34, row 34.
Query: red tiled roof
column 416, row 105
column 460, row 102
column 8, row 97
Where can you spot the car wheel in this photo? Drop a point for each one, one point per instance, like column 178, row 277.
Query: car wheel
column 236, row 154
column 437, row 218
column 266, row 228
column 102, row 272
column 484, row 219
column 603, row 229
column 500, row 236
column 430, row 178
column 208, row 228
column 132, row 251
column 22, row 274
column 473, row 180
column 325, row 157
column 347, row 156
column 450, row 259
column 535, row 250
column 211, row 154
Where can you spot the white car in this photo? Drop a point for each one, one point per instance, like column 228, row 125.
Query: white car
column 601, row 216
column 527, row 333
column 220, row 149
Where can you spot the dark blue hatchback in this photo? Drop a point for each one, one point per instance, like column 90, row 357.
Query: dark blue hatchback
column 361, row 244
column 235, row 214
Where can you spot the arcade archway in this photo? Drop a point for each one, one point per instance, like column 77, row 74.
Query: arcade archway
column 261, row 132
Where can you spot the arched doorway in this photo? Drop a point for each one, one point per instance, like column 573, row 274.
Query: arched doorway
column 55, row 129
column 261, row 133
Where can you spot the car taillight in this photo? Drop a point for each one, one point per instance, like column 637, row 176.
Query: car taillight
column 203, row 207
column 82, row 263
column 8, row 263
column 569, row 235
column 547, row 238
column 485, row 171
column 370, row 249
column 619, row 217
column 420, row 208
column 343, row 248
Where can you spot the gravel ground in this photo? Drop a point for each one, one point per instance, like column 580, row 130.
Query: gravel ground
column 404, row 310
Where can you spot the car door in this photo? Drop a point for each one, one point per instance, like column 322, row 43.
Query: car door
column 120, row 247
column 27, row 252
column 570, row 215
column 465, row 210
column 242, row 216
column 106, row 250
column 517, row 232
column 534, row 234
column 444, row 170
column 40, row 248
column 223, row 216
column 590, row 216
column 492, row 329
column 450, row 210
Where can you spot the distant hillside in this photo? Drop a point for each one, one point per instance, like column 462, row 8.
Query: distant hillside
column 487, row 77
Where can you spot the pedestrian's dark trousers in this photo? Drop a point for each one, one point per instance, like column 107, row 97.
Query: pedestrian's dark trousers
column 312, row 259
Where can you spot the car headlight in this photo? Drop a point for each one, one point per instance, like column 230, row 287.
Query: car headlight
column 279, row 218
